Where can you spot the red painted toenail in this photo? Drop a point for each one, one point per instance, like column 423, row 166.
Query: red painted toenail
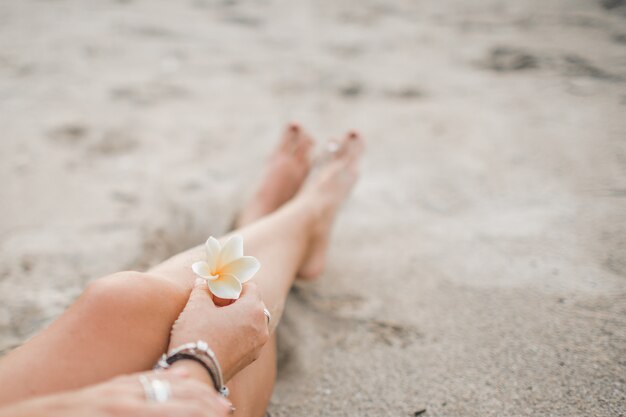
column 294, row 127
column 353, row 134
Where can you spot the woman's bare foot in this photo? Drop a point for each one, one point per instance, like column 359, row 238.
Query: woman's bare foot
column 286, row 170
column 325, row 192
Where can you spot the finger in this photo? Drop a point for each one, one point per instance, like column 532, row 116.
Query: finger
column 250, row 303
column 222, row 302
column 182, row 409
column 130, row 385
column 200, row 291
column 199, row 393
column 141, row 381
column 250, row 290
column 250, row 296
column 175, row 376
column 191, row 394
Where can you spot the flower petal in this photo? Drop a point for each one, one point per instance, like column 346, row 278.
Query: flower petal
column 243, row 268
column 201, row 269
column 233, row 249
column 226, row 286
column 213, row 249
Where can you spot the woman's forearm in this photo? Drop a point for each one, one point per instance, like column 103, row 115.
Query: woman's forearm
column 49, row 406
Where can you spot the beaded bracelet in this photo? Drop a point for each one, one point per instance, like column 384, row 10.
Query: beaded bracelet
column 199, row 352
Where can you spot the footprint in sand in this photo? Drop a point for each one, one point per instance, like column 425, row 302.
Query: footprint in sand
column 352, row 89
column 577, row 66
column 405, row 93
column 392, row 334
column 350, row 311
column 114, row 142
column 620, row 38
column 68, row 134
column 343, row 304
column 613, row 4
column 508, row 59
column 148, row 94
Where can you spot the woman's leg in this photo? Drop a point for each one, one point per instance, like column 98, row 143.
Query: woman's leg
column 251, row 389
column 286, row 171
column 121, row 324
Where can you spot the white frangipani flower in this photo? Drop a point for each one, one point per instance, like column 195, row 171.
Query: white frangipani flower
column 226, row 268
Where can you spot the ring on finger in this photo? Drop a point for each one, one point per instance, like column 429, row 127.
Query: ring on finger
column 147, row 388
column 268, row 315
column 155, row 390
column 162, row 390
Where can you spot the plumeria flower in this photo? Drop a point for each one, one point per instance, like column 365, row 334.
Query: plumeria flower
column 226, row 269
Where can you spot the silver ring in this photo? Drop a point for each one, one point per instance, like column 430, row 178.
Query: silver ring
column 156, row 390
column 147, row 388
column 161, row 390
column 268, row 315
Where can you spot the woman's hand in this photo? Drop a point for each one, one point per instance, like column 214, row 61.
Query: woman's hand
column 124, row 396
column 235, row 332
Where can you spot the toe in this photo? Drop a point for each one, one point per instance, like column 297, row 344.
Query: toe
column 348, row 146
column 303, row 151
column 355, row 144
column 291, row 135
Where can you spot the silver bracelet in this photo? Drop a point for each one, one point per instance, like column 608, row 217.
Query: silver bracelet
column 201, row 353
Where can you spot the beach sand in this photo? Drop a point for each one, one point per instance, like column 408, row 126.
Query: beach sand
column 479, row 268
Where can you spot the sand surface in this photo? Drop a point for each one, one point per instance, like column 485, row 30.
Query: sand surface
column 479, row 268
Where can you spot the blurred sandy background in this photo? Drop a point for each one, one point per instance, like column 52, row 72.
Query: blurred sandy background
column 478, row 270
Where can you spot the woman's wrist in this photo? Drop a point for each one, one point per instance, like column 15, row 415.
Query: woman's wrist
column 202, row 354
column 191, row 369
